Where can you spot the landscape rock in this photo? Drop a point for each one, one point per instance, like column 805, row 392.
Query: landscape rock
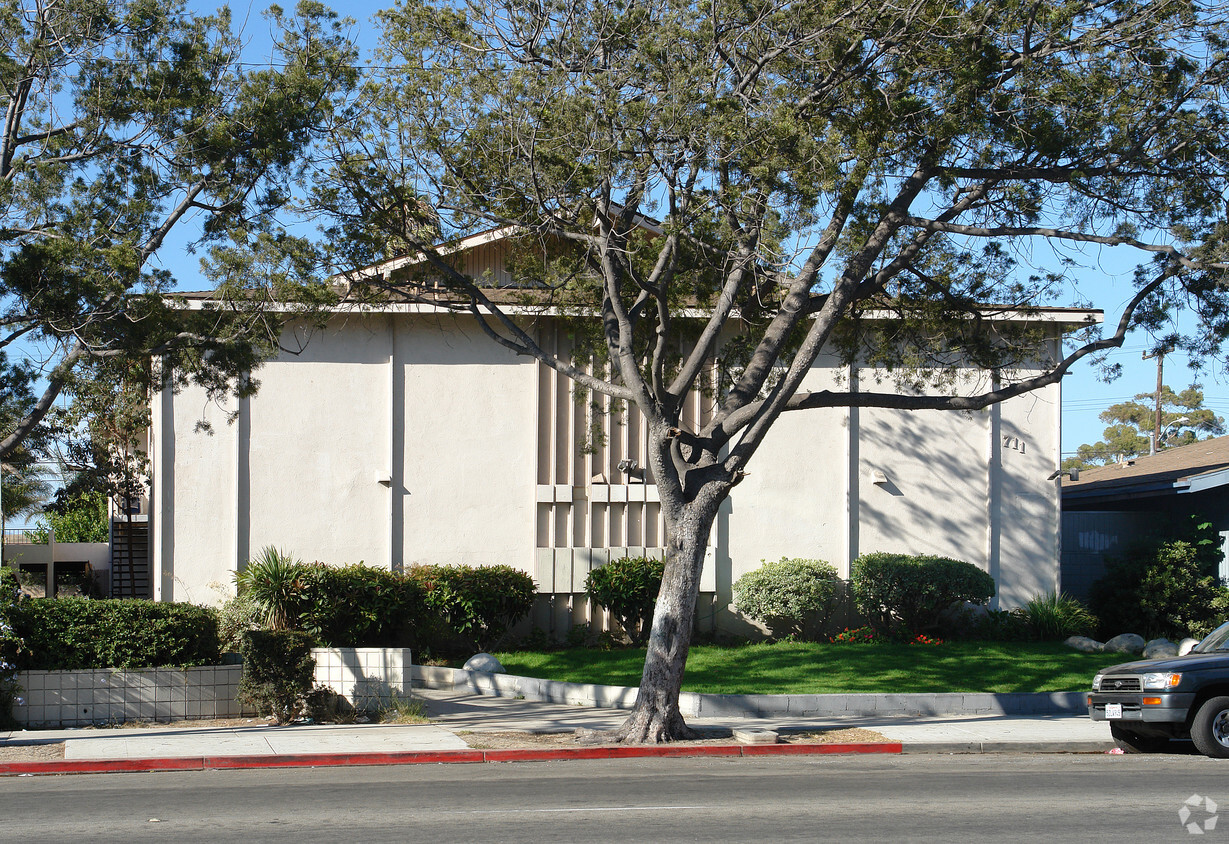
column 1084, row 644
column 485, row 663
column 1126, row 643
column 1184, row 647
column 1157, row 648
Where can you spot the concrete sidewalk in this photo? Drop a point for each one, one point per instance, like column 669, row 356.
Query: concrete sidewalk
column 258, row 745
column 930, row 734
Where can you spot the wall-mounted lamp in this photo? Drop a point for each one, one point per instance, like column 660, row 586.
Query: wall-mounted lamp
column 878, row 477
column 383, row 477
column 630, row 468
column 1074, row 474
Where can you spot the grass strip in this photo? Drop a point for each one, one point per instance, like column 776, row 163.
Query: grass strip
column 815, row 668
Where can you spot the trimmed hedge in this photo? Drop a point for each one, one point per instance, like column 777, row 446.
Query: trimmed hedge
column 628, row 589
column 84, row 633
column 901, row 594
column 786, row 594
column 480, row 603
column 434, row 609
column 360, row 606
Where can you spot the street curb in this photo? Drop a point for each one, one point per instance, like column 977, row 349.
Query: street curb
column 939, row 747
column 330, row 760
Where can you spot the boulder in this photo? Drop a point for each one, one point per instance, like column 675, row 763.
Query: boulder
column 484, row 663
column 1184, row 647
column 1084, row 644
column 1157, row 648
column 1126, row 643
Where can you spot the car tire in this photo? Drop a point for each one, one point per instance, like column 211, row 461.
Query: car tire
column 1132, row 742
column 1210, row 729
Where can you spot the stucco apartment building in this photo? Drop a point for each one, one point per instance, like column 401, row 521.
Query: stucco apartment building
column 404, row 435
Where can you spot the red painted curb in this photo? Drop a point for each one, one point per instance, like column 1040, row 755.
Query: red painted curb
column 418, row 757
column 102, row 766
column 333, row 760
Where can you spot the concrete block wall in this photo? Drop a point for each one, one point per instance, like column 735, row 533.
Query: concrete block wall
column 364, row 676
column 116, row 695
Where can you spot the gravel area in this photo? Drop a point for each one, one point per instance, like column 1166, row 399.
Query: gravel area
column 31, row 752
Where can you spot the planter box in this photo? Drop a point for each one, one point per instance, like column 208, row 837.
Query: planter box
column 364, row 676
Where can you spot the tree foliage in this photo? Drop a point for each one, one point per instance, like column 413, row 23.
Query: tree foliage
column 23, row 488
column 755, row 183
column 1130, row 424
column 82, row 519
column 125, row 120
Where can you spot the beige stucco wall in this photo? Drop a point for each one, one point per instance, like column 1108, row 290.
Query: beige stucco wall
column 383, row 441
column 968, row 485
column 396, row 439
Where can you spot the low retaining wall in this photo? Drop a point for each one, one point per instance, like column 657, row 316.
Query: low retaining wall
column 118, row 695
column 755, row 706
column 364, row 676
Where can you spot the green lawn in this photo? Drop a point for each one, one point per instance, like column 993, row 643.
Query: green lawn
column 807, row 668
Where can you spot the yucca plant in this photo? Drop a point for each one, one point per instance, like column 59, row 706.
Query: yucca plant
column 274, row 581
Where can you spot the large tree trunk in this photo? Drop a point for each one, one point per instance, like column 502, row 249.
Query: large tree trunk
column 656, row 717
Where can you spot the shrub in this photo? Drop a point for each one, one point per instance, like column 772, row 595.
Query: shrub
column 481, row 602
column 80, row 633
column 1001, row 626
column 273, row 581
column 11, row 646
column 785, row 594
column 628, row 589
column 1162, row 588
column 901, row 595
column 278, row 669
column 237, row 615
column 1055, row 616
column 360, row 606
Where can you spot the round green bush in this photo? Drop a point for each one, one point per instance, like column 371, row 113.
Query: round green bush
column 628, row 589
column 900, row 594
column 786, row 594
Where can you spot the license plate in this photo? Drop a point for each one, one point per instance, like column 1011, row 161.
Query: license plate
column 1113, row 710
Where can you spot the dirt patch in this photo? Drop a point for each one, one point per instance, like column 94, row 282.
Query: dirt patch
column 31, row 752
column 514, row 740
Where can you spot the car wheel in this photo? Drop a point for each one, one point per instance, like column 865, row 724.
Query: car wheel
column 1210, row 729
column 1133, row 742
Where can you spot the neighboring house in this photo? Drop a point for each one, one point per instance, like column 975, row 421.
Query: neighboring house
column 1110, row 507
column 50, row 568
column 405, row 435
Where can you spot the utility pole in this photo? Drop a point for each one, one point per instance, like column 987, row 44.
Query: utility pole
column 1159, row 354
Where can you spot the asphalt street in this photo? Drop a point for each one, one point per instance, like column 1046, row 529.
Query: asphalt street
column 1087, row 797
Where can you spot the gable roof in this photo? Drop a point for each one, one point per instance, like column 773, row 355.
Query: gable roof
column 1182, row 469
